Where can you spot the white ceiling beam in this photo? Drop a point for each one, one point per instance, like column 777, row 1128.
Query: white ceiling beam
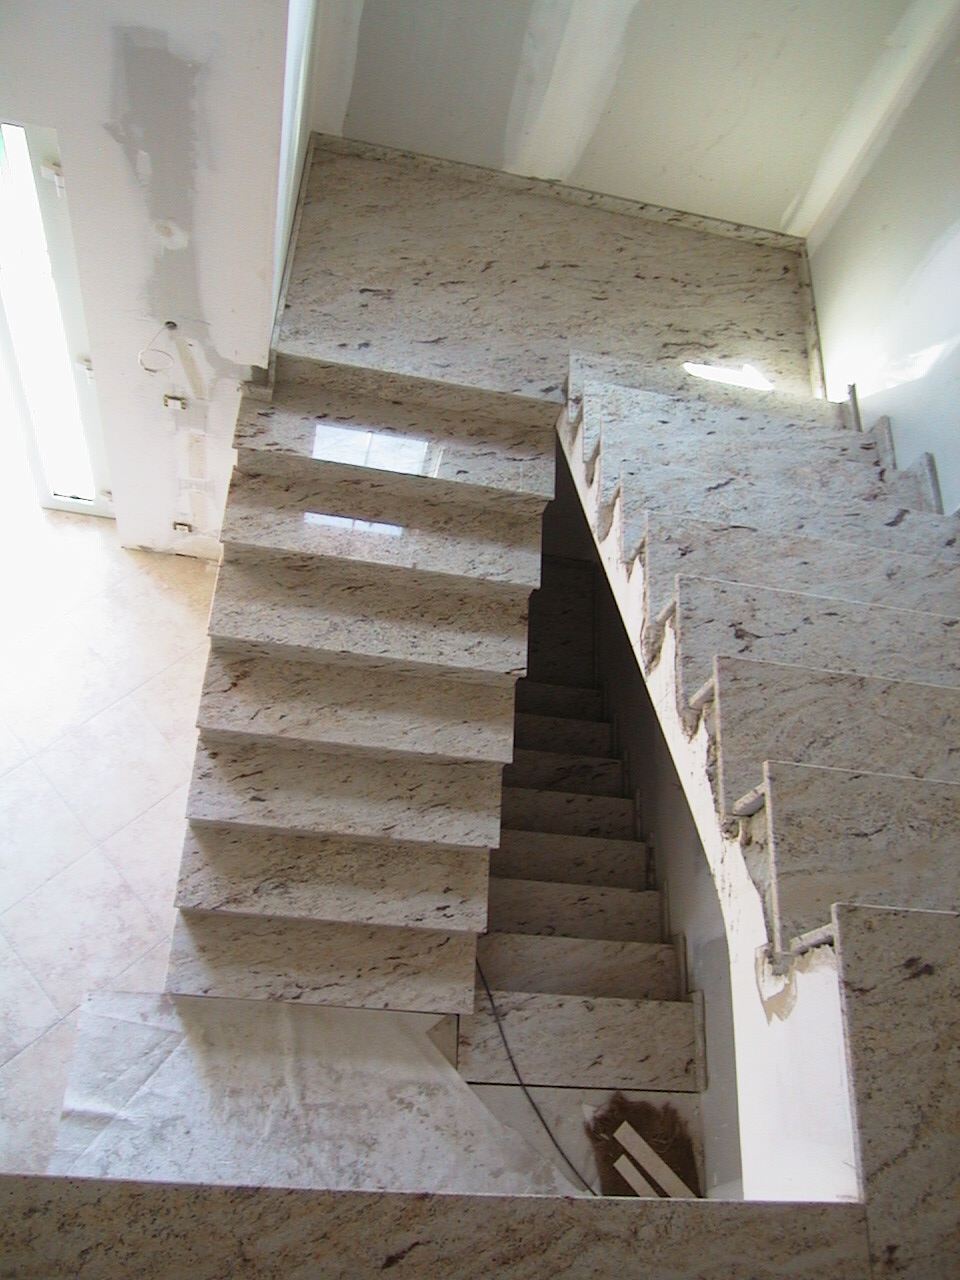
column 334, row 62
column 911, row 50
column 571, row 55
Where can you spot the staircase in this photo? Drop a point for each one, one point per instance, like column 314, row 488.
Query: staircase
column 588, row 994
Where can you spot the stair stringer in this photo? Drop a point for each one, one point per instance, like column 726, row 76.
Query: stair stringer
column 788, row 1025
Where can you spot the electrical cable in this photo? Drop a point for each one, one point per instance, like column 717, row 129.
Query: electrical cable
column 522, row 1083
column 167, row 326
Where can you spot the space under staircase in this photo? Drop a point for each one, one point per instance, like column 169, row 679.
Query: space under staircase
column 806, row 601
column 587, row 992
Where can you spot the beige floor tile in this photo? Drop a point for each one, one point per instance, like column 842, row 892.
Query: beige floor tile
column 51, row 681
column 12, row 750
column 149, row 620
column 147, row 851
column 25, row 1010
column 31, row 1094
column 39, row 835
column 80, row 929
column 112, row 768
column 149, row 973
column 170, row 701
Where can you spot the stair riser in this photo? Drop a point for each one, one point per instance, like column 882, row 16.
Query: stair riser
column 531, row 855
column 552, row 733
column 575, row 911
column 573, row 966
column 548, row 771
column 568, row 813
column 557, row 700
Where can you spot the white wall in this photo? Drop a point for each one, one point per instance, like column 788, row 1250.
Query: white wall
column 169, row 125
column 887, row 282
column 295, row 131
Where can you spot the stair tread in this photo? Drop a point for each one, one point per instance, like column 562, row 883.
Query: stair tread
column 592, row 775
column 560, row 733
column 581, row 1042
column 588, row 860
column 527, row 808
column 841, row 836
column 310, row 610
column 579, row 966
column 783, row 626
column 282, row 788
column 674, row 542
column 766, row 711
column 336, row 705
column 349, row 516
column 335, row 414
column 548, row 907
column 331, row 878
column 263, row 958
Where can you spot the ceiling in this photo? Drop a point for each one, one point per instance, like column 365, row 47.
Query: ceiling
column 765, row 112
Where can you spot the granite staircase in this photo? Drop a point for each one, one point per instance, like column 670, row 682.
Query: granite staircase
column 587, row 993
column 381, row 539
column 801, row 601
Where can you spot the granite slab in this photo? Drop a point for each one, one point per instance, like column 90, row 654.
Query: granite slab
column 337, row 706
column 559, row 700
column 559, row 733
column 262, row 958
column 576, row 1042
column 579, row 966
column 568, row 812
column 96, row 1229
column 279, row 1096
column 243, row 871
column 319, row 415
column 407, row 266
column 553, row 769
column 352, row 519
column 871, row 838
column 536, row 855
column 573, row 910
column 770, row 712
column 296, row 789
column 673, row 542
column 900, row 987
column 732, row 620
column 307, row 610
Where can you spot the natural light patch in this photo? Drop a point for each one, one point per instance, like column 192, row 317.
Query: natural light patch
column 350, row 525
column 745, row 376
column 32, row 310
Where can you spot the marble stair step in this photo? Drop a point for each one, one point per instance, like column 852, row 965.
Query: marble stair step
column 536, row 698
column 575, row 1041
column 336, row 706
column 579, row 966
column 247, row 871
column 770, row 712
column 349, row 517
column 561, row 734
column 295, row 789
column 868, row 838
column 591, row 775
column 673, row 542
column 360, row 966
column 573, row 910
column 568, row 812
column 563, row 623
column 584, row 860
column 777, row 505
column 731, row 620
column 303, row 610
column 403, row 427
column 608, row 373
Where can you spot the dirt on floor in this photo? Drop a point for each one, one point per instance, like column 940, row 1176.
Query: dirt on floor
column 660, row 1127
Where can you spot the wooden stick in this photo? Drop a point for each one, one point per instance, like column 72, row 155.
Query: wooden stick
column 651, row 1164
column 629, row 1172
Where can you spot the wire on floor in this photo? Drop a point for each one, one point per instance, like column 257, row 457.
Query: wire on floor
column 523, row 1086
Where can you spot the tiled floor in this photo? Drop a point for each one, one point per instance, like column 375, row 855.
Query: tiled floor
column 101, row 659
